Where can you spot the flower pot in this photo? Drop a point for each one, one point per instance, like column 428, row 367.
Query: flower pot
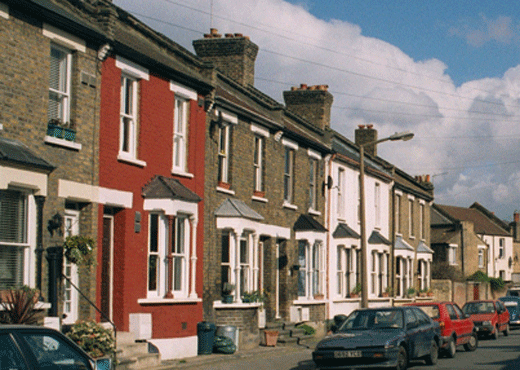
column 271, row 337
column 55, row 131
column 227, row 298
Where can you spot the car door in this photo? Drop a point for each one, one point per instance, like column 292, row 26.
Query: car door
column 413, row 333
column 10, row 355
column 503, row 315
column 425, row 330
column 465, row 325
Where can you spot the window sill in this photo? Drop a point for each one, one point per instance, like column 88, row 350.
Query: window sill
column 156, row 301
column 305, row 301
column 236, row 305
column 225, row 191
column 313, row 212
column 289, row 206
column 62, row 142
column 412, row 237
column 182, row 173
column 134, row 161
column 259, row 199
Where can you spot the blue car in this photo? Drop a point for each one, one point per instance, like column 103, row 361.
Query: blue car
column 380, row 337
column 512, row 304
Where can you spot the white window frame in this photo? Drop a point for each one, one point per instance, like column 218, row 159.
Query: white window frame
column 481, row 255
column 398, row 214
column 377, row 204
column 63, row 92
column 411, row 221
column 183, row 96
column 180, row 252
column 311, row 269
column 258, row 163
column 341, row 192
column 421, row 220
column 224, row 134
column 161, row 253
column 452, row 254
column 288, row 174
column 26, row 245
column 501, row 248
column 128, row 116
column 313, row 184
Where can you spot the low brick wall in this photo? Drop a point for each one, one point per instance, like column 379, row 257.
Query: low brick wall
column 245, row 319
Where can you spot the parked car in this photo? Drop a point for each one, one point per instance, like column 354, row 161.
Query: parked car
column 456, row 327
column 41, row 348
column 512, row 304
column 513, row 292
column 380, row 337
column 489, row 316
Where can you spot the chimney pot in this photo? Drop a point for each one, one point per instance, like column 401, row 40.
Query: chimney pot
column 370, row 126
column 313, row 87
column 239, row 35
column 516, row 216
column 229, row 35
column 294, row 88
column 303, row 86
column 361, row 126
column 213, row 31
column 427, row 178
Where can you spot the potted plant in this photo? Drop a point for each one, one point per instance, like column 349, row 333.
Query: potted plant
column 387, row 292
column 96, row 340
column 62, row 130
column 18, row 306
column 411, row 292
column 429, row 292
column 78, row 249
column 227, row 292
column 356, row 291
column 253, row 297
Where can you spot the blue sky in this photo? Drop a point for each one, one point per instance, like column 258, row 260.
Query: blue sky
column 437, row 29
column 449, row 71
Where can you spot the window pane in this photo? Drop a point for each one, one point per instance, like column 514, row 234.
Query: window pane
column 53, row 352
column 11, row 266
column 13, row 216
column 154, row 233
column 153, row 272
column 178, row 268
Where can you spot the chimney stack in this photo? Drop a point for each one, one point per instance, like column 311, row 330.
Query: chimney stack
column 366, row 134
column 234, row 55
column 310, row 102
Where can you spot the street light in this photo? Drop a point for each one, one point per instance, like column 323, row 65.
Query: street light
column 404, row 136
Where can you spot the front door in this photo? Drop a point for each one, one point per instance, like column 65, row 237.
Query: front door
column 70, row 271
column 106, row 267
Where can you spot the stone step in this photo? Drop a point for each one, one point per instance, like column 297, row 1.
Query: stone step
column 141, row 361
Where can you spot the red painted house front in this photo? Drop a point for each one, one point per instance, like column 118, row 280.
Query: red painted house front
column 151, row 178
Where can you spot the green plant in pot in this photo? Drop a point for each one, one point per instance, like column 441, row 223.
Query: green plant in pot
column 227, row 291
column 411, row 292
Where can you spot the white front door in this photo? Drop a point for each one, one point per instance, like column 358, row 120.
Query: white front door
column 70, row 270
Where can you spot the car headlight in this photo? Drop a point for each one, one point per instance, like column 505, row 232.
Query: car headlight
column 389, row 345
column 486, row 323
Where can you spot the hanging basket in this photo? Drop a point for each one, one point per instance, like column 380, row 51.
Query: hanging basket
column 78, row 249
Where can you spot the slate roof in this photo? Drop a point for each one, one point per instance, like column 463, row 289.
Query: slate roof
column 15, row 151
column 377, row 238
column 482, row 224
column 236, row 208
column 344, row 231
column 443, row 236
column 423, row 248
column 400, row 244
column 307, row 223
column 167, row 188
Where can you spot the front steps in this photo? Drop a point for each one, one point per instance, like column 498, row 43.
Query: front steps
column 289, row 333
column 132, row 355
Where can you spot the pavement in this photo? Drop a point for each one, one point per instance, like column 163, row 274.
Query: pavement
column 260, row 351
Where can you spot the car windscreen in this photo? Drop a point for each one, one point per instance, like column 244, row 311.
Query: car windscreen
column 432, row 311
column 373, row 319
column 474, row 308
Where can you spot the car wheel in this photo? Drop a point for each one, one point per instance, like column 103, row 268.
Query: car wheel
column 431, row 358
column 506, row 331
column 472, row 343
column 494, row 335
column 402, row 359
column 451, row 348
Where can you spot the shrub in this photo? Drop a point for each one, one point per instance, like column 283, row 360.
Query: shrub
column 93, row 338
column 18, row 306
column 78, row 249
column 307, row 329
column 496, row 284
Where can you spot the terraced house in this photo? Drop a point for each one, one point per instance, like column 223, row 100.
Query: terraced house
column 49, row 120
column 264, row 202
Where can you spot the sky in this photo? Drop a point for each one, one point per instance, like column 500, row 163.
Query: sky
column 448, row 71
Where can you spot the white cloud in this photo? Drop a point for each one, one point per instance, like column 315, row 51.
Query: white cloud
column 465, row 136
column 501, row 30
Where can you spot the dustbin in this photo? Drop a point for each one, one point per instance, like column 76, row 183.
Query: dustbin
column 205, row 336
column 228, row 331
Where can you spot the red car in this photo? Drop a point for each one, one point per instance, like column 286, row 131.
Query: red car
column 489, row 316
column 456, row 327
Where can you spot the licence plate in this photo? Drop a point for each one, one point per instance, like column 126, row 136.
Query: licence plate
column 347, row 354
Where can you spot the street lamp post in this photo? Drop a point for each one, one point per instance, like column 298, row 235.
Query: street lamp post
column 404, row 136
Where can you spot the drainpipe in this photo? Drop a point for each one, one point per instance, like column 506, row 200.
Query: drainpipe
column 40, row 200
column 328, row 196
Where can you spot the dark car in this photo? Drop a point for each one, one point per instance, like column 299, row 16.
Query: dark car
column 25, row 347
column 489, row 316
column 456, row 327
column 380, row 337
column 512, row 304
